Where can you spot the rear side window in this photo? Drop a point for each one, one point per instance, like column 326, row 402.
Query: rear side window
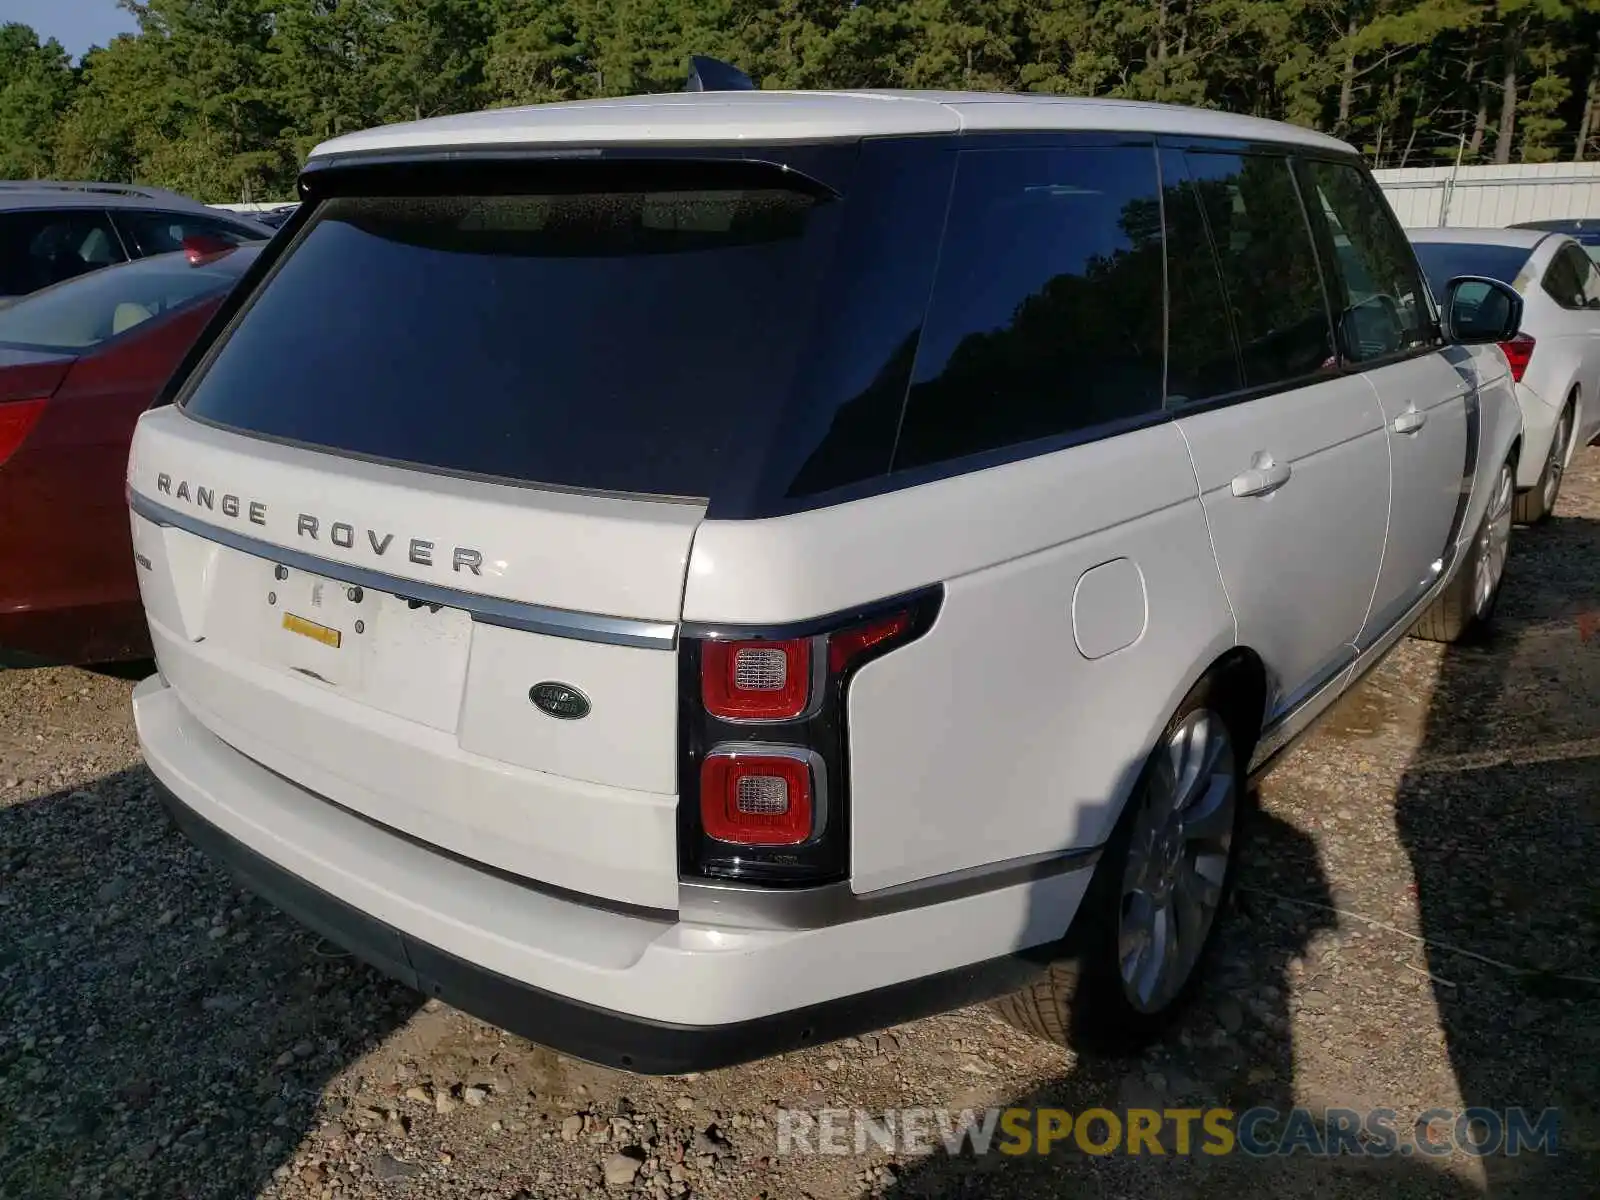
column 1380, row 305
column 1567, row 276
column 159, row 233
column 637, row 340
column 1046, row 312
column 1201, row 361
column 41, row 248
column 1269, row 265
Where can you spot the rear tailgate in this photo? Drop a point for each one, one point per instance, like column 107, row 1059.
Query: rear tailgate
column 450, row 450
column 374, row 633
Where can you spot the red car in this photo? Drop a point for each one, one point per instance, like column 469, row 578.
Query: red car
column 79, row 362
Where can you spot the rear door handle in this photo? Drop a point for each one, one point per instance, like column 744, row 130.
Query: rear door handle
column 1410, row 421
column 1263, row 477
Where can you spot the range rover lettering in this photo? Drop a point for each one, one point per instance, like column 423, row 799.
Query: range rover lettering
column 850, row 551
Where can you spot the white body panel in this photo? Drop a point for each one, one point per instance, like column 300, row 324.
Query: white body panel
column 1300, row 562
column 774, row 116
column 1424, row 408
column 421, row 719
column 661, row 969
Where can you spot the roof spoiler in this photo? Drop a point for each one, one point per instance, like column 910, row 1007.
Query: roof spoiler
column 714, row 75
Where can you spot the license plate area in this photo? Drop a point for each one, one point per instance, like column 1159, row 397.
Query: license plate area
column 314, row 622
column 388, row 651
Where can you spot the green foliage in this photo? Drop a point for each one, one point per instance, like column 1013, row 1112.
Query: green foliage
column 224, row 98
column 35, row 88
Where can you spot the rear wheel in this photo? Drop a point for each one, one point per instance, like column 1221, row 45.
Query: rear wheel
column 1464, row 609
column 1148, row 921
column 1538, row 502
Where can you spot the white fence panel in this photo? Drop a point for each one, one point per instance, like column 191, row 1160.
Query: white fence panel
column 1492, row 195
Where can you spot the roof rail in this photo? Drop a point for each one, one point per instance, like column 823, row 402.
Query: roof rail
column 714, row 75
column 110, row 189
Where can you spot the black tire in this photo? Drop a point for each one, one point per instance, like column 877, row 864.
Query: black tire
column 1080, row 1001
column 1455, row 615
column 1535, row 506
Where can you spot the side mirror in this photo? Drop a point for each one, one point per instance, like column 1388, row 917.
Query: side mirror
column 1479, row 310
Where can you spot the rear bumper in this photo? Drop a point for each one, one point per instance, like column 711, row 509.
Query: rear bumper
column 635, row 989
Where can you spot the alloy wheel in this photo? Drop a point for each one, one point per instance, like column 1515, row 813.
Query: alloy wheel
column 1494, row 544
column 1558, row 461
column 1177, row 861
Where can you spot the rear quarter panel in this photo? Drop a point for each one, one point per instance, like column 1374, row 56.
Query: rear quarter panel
column 997, row 736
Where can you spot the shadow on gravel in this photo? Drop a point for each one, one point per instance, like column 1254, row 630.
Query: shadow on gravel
column 1499, row 812
column 160, row 1034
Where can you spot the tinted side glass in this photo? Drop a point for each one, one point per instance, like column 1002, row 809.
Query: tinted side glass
column 1201, row 358
column 1380, row 305
column 1268, row 264
column 1587, row 292
column 1584, row 264
column 1046, row 314
column 159, row 233
column 1563, row 282
column 853, row 382
column 41, row 248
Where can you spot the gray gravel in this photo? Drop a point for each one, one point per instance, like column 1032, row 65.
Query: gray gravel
column 163, row 1034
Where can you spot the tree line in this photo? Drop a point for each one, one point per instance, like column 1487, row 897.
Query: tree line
column 222, row 99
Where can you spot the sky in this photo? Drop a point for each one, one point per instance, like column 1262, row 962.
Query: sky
column 76, row 24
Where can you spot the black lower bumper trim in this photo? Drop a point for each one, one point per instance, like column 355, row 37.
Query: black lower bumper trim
column 581, row 1030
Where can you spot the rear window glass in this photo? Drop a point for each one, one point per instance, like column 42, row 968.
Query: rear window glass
column 1443, row 261
column 633, row 341
column 81, row 313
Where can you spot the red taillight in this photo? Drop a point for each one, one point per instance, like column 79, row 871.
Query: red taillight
column 17, row 419
column 765, row 775
column 1518, row 351
column 756, row 681
column 846, row 647
column 756, row 799
column 201, row 248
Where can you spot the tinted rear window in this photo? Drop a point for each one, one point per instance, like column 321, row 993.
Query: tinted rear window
column 1443, row 261
column 635, row 341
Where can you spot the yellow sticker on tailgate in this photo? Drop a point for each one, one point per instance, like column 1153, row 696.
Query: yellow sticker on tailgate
column 317, row 633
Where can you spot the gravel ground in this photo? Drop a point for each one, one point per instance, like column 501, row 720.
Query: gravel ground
column 1416, row 926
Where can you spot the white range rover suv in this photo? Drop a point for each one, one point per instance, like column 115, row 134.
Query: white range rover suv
column 687, row 576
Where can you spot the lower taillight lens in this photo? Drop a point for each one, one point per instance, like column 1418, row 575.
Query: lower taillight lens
column 758, row 798
column 17, row 419
column 1518, row 352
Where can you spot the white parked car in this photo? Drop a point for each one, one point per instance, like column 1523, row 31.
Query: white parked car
column 688, row 576
column 1555, row 358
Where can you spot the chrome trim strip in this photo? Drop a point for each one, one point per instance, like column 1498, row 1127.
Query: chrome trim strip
column 733, row 905
column 488, row 610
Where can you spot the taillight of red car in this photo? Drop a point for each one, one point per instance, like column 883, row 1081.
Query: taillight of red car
column 1518, row 352
column 764, row 774
column 17, row 419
